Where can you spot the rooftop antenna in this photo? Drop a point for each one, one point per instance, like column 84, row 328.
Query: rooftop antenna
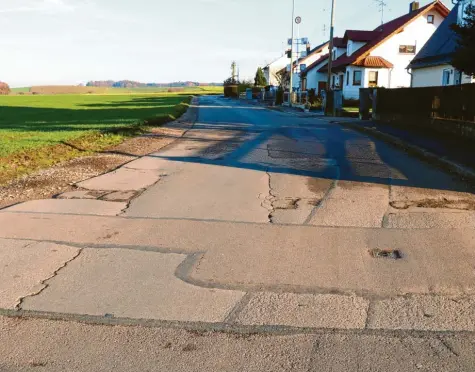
column 381, row 4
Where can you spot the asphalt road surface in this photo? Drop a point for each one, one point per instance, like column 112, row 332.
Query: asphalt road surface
column 258, row 240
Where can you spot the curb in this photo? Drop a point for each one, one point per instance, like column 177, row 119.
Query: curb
column 453, row 167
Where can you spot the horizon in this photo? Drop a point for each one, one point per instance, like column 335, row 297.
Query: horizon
column 76, row 41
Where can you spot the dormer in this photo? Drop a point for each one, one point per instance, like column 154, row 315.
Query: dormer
column 356, row 39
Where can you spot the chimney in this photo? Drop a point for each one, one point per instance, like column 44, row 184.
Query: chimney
column 309, row 48
column 414, row 6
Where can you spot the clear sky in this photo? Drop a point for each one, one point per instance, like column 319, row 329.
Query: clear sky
column 73, row 41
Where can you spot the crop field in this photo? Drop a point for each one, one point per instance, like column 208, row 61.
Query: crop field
column 37, row 131
column 72, row 89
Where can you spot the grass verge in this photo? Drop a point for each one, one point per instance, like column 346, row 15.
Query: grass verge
column 49, row 131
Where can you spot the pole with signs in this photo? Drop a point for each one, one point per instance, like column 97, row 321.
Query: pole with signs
column 292, row 55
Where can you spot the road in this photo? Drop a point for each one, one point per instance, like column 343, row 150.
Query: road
column 258, row 240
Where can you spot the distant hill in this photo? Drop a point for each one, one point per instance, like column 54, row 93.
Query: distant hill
column 136, row 84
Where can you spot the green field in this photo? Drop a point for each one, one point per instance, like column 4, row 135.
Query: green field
column 37, row 131
column 20, row 90
column 144, row 90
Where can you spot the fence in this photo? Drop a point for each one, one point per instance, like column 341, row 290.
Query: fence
column 451, row 102
column 448, row 109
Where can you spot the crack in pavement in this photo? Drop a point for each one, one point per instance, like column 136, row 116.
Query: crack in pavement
column 44, row 283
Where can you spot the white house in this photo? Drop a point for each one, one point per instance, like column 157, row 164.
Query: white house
column 380, row 57
column 432, row 67
column 315, row 76
column 310, row 57
column 271, row 70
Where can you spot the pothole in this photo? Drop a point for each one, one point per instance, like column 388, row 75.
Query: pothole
column 286, row 204
column 386, row 253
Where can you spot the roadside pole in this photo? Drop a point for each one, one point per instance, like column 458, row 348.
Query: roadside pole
column 292, row 55
column 330, row 57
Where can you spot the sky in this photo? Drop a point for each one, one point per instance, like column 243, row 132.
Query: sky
column 74, row 41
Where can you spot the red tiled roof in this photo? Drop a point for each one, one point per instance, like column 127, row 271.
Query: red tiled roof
column 375, row 62
column 383, row 32
column 316, row 63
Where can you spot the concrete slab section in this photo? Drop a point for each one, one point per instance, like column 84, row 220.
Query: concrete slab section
column 354, row 204
column 123, row 179
column 260, row 257
column 393, row 353
column 206, row 192
column 425, row 313
column 25, row 265
column 33, row 345
column 131, row 284
column 430, row 220
column 69, row 206
column 148, row 163
column 305, row 310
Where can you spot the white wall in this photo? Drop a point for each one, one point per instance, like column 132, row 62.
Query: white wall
column 275, row 67
column 353, row 46
column 314, row 77
column 416, row 33
column 308, row 61
column 430, row 76
column 433, row 76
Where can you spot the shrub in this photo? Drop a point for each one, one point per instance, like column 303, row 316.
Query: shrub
column 231, row 91
column 4, row 89
column 279, row 97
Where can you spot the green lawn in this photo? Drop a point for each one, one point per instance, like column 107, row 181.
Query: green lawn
column 33, row 127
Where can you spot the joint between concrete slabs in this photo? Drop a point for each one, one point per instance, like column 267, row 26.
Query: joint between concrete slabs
column 234, row 328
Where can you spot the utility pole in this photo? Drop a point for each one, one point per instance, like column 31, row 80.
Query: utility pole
column 330, row 57
column 292, row 55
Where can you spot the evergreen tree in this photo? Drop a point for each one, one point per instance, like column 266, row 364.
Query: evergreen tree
column 463, row 59
column 260, row 80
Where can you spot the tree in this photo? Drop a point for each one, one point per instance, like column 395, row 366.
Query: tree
column 283, row 79
column 463, row 59
column 260, row 80
column 4, row 88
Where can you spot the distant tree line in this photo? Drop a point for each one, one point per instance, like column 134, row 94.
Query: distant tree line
column 4, row 88
column 136, row 84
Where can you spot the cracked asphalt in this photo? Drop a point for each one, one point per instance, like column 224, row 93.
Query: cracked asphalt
column 244, row 245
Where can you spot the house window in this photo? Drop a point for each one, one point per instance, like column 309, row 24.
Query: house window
column 407, row 49
column 347, row 77
column 430, row 19
column 446, row 77
column 357, row 78
column 373, row 79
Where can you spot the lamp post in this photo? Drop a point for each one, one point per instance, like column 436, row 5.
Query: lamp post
column 292, row 55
